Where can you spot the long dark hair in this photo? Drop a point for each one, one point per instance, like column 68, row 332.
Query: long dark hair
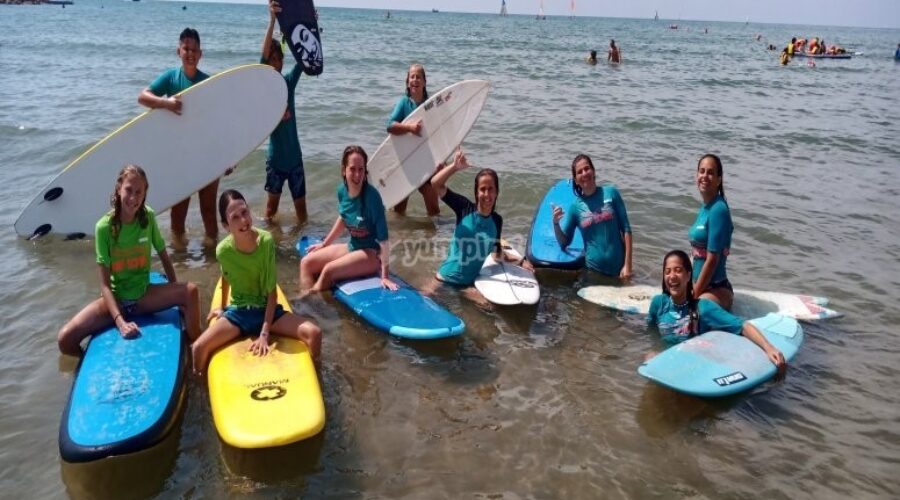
column 719, row 171
column 577, row 159
column 345, row 158
column 488, row 172
column 692, row 302
column 225, row 199
column 115, row 223
column 412, row 68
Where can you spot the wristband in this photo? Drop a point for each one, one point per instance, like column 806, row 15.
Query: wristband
column 116, row 317
column 521, row 261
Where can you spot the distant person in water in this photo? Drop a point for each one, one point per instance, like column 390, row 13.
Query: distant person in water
column 790, row 47
column 785, row 57
column 592, row 58
column 897, row 52
column 613, row 55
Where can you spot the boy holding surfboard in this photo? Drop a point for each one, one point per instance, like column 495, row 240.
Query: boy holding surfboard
column 162, row 93
column 284, row 159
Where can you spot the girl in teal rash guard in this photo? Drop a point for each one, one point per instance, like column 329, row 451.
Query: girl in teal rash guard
column 599, row 213
column 361, row 212
column 478, row 226
column 679, row 316
column 710, row 235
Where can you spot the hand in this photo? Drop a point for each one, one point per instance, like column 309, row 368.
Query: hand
column 650, row 355
column 460, row 162
column 312, row 248
column 415, row 127
column 274, row 8
column 389, row 284
column 260, row 346
column 128, row 329
column 777, row 359
column 526, row 264
column 625, row 274
column 557, row 214
column 215, row 313
column 230, row 170
column 173, row 104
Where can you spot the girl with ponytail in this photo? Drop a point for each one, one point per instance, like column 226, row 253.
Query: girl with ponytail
column 710, row 235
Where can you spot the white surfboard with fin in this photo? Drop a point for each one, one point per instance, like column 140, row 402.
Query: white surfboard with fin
column 747, row 303
column 505, row 283
column 404, row 162
column 223, row 119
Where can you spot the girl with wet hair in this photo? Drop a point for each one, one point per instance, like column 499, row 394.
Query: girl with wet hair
column 123, row 239
column 361, row 213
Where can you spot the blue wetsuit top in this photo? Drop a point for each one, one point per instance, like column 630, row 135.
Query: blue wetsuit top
column 476, row 236
column 711, row 232
column 674, row 320
column 363, row 216
column 603, row 222
column 284, row 153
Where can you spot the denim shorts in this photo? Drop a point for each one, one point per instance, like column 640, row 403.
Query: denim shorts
column 295, row 178
column 128, row 307
column 250, row 319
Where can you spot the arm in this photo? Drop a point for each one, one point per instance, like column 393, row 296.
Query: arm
column 562, row 237
column 167, row 266
column 439, row 181
column 774, row 355
column 260, row 346
column 336, row 230
column 218, row 311
column 128, row 329
column 274, row 8
column 625, row 274
column 385, row 254
column 709, row 267
column 149, row 99
column 398, row 128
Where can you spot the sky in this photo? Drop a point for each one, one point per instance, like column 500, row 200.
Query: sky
column 862, row 13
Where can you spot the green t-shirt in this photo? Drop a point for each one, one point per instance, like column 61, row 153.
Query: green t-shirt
column 251, row 275
column 128, row 256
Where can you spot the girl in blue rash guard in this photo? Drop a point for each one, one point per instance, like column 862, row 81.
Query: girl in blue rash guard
column 599, row 213
column 679, row 316
column 361, row 212
column 710, row 235
column 416, row 94
column 478, row 226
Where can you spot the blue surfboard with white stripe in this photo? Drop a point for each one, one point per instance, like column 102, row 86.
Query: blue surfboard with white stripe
column 404, row 313
column 543, row 250
column 127, row 393
column 718, row 363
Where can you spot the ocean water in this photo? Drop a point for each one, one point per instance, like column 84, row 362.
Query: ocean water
column 540, row 402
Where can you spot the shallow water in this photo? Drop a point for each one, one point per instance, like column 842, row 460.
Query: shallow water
column 532, row 402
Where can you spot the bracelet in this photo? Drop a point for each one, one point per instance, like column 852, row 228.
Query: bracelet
column 116, row 317
column 264, row 334
column 521, row 261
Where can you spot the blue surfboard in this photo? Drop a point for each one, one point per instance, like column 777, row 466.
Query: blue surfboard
column 299, row 23
column 127, row 393
column 404, row 313
column 719, row 363
column 543, row 250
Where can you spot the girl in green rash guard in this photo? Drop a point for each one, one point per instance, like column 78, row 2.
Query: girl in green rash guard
column 123, row 239
column 679, row 316
column 599, row 213
column 710, row 235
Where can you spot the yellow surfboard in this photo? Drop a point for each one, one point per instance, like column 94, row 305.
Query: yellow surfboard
column 264, row 401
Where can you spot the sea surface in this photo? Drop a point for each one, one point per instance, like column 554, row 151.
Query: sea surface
column 532, row 402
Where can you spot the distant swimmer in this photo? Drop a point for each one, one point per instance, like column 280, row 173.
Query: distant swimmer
column 592, row 58
column 790, row 47
column 785, row 57
column 613, row 55
column 897, row 52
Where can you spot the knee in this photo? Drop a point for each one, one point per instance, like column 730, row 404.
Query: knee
column 67, row 341
column 311, row 334
column 191, row 293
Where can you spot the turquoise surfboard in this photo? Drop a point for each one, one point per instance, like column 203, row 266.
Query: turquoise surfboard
column 718, row 363
column 404, row 313
column 543, row 250
column 127, row 393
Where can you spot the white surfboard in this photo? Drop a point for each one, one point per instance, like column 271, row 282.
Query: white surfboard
column 507, row 284
column 404, row 162
column 747, row 303
column 223, row 118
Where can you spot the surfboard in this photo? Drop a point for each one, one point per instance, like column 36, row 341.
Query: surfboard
column 402, row 163
column 718, row 363
column 223, row 118
column 505, row 283
column 299, row 20
column 127, row 393
column 543, row 250
column 747, row 303
column 404, row 313
column 264, row 401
